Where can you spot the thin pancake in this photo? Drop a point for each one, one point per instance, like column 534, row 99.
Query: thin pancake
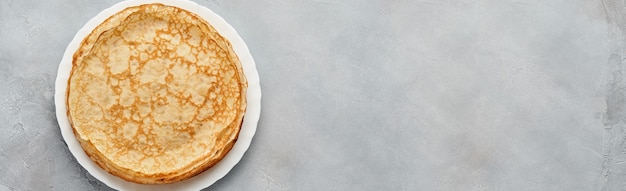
column 156, row 95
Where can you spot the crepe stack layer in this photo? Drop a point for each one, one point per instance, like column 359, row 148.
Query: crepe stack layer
column 156, row 95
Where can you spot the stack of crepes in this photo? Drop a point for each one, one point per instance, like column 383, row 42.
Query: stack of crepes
column 156, row 95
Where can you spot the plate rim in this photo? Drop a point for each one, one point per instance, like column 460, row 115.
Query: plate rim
column 248, row 128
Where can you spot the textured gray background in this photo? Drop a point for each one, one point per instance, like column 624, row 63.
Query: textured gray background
column 372, row 95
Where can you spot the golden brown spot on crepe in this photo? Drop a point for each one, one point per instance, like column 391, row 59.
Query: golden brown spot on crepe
column 153, row 89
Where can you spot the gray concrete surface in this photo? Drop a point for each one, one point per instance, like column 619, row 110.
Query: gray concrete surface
column 372, row 95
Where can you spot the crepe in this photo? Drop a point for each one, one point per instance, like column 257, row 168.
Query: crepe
column 156, row 95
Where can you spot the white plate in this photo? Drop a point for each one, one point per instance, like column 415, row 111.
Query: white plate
column 204, row 179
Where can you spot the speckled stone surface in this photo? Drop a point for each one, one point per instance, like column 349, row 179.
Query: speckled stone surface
column 372, row 95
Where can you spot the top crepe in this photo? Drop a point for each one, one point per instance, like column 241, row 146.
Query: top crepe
column 156, row 95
